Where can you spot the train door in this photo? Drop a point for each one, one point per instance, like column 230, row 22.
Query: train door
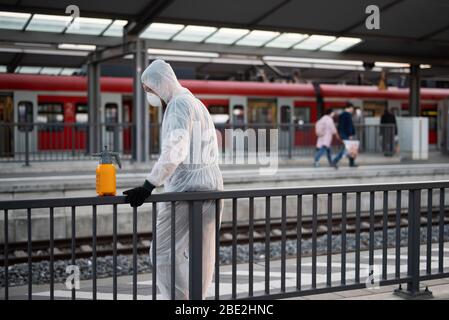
column 53, row 132
column 81, row 124
column 25, row 114
column 285, row 121
column 111, row 129
column 6, row 125
column 219, row 112
column 304, row 115
column 262, row 113
column 127, row 120
column 155, row 127
column 238, row 112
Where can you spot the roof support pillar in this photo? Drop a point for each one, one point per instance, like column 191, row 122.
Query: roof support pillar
column 415, row 87
column 141, row 136
column 94, row 105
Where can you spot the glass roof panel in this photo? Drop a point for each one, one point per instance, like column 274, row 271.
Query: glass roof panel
column 69, row 71
column 48, row 23
column 286, row 40
column 28, row 69
column 257, row 38
column 314, row 42
column 341, row 44
column 161, row 31
column 13, row 20
column 116, row 29
column 91, row 26
column 50, row 70
column 227, row 35
column 194, row 33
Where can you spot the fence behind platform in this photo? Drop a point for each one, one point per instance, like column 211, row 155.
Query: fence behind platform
column 26, row 142
column 302, row 267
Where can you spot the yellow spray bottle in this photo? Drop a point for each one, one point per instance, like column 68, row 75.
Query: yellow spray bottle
column 106, row 181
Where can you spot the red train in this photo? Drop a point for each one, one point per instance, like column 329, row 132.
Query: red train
column 61, row 101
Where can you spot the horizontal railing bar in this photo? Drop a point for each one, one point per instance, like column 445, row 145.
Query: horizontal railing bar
column 214, row 195
column 321, row 290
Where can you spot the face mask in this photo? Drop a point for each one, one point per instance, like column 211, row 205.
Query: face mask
column 154, row 100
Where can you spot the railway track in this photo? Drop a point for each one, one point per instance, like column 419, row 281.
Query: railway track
column 17, row 252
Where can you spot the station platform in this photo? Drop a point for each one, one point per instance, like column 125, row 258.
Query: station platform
column 17, row 169
column 439, row 287
column 43, row 168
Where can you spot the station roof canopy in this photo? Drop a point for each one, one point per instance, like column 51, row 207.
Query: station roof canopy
column 40, row 33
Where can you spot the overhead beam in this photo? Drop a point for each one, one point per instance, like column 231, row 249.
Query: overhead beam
column 15, row 61
column 149, row 13
column 117, row 51
column 267, row 13
column 110, row 53
column 434, row 33
column 56, row 38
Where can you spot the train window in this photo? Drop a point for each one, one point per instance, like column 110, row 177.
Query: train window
column 285, row 114
column 50, row 113
column 82, row 116
column 301, row 115
column 25, row 115
column 238, row 115
column 111, row 116
column 219, row 113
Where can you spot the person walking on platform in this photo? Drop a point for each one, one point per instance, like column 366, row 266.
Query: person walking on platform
column 388, row 132
column 325, row 130
column 188, row 162
column 347, row 132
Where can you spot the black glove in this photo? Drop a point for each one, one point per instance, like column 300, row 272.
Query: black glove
column 136, row 197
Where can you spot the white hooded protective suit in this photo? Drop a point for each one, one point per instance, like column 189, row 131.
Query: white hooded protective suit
column 188, row 162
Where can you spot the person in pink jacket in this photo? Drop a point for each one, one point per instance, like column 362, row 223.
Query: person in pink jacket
column 325, row 130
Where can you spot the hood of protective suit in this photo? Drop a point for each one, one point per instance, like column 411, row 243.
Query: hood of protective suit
column 160, row 77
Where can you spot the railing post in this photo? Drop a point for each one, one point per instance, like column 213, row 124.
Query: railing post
column 290, row 140
column 195, row 250
column 73, row 138
column 27, row 147
column 413, row 249
column 116, row 138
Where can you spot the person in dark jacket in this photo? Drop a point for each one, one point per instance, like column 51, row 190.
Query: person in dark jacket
column 388, row 131
column 346, row 131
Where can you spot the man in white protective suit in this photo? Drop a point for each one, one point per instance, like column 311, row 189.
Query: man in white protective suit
column 188, row 162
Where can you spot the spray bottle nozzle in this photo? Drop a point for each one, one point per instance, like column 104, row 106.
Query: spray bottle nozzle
column 106, row 156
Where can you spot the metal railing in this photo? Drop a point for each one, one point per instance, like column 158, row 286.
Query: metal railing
column 407, row 196
column 26, row 142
